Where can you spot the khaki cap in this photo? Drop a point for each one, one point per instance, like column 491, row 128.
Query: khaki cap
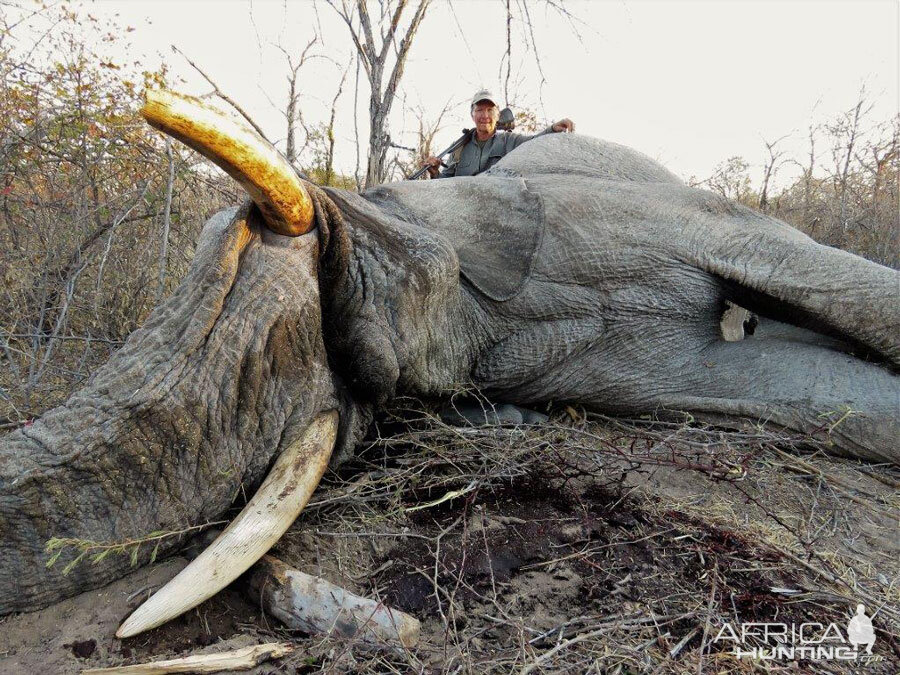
column 483, row 95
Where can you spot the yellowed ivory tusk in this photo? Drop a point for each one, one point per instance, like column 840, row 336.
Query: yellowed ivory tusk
column 245, row 156
column 267, row 516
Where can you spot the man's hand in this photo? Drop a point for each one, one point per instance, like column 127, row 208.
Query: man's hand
column 433, row 164
column 564, row 124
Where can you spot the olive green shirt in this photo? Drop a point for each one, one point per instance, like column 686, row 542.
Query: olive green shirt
column 475, row 157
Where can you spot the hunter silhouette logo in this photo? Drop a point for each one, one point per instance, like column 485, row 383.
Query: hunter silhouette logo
column 809, row 641
column 860, row 631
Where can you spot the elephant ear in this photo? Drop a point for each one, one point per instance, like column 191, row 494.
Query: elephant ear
column 495, row 225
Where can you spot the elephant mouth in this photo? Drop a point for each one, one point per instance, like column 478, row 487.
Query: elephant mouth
column 287, row 209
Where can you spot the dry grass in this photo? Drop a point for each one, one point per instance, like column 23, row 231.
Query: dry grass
column 588, row 544
column 595, row 545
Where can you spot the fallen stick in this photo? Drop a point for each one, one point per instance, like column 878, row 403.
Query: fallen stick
column 238, row 659
column 546, row 656
column 315, row 605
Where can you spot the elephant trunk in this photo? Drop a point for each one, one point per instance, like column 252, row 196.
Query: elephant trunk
column 186, row 416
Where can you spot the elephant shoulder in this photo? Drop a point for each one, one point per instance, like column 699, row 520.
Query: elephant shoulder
column 582, row 155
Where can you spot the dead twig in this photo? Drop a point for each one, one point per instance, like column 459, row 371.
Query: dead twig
column 237, row 659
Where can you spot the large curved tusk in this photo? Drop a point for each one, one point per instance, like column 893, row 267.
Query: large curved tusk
column 241, row 153
column 267, row 516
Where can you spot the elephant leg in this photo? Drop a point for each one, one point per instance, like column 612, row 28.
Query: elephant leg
column 799, row 385
column 775, row 271
column 484, row 413
column 769, row 329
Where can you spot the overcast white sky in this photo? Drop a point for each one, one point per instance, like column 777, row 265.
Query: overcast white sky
column 689, row 83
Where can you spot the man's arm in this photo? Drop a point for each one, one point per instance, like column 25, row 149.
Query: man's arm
column 449, row 171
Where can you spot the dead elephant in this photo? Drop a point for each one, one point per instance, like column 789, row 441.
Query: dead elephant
column 575, row 270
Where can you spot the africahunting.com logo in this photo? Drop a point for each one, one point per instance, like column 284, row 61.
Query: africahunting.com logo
column 811, row 641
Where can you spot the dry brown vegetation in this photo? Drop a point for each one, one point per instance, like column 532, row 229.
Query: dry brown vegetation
column 98, row 215
column 847, row 193
column 586, row 545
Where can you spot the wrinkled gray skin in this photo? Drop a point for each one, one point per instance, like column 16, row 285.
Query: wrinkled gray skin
column 619, row 309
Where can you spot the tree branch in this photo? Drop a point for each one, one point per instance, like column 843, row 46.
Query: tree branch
column 366, row 24
column 360, row 48
column 389, row 38
column 405, row 44
column 222, row 95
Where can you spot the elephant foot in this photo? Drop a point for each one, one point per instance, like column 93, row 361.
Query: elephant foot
column 484, row 413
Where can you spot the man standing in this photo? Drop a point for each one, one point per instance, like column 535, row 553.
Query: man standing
column 486, row 147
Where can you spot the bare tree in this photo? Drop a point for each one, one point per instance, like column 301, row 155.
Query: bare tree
column 374, row 58
column 321, row 141
column 770, row 168
column 427, row 130
column 329, row 155
column 731, row 180
column 292, row 113
column 883, row 155
column 808, row 174
column 356, row 175
column 519, row 14
column 845, row 131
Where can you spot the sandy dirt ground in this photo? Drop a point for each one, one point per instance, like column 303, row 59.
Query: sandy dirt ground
column 588, row 546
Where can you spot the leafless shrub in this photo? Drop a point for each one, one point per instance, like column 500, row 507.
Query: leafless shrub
column 846, row 195
column 87, row 193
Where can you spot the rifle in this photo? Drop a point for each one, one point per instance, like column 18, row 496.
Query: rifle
column 507, row 122
column 458, row 143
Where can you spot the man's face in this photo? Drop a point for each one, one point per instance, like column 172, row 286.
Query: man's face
column 485, row 115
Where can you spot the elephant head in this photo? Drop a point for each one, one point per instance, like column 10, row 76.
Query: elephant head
column 575, row 270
